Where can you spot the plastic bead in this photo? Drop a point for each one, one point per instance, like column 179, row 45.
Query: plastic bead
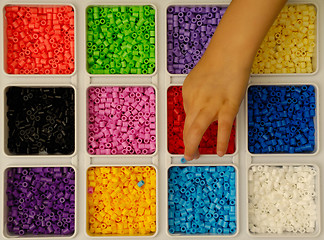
column 40, row 120
column 140, row 183
column 189, row 31
column 36, row 206
column 121, row 120
column 118, row 205
column 197, row 208
column 176, row 119
column 282, row 199
column 183, row 160
column 276, row 122
column 290, row 43
column 121, row 40
column 40, row 40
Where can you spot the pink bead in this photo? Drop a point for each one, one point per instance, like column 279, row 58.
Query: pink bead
column 90, row 190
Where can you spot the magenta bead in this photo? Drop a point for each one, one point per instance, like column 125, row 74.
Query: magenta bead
column 115, row 127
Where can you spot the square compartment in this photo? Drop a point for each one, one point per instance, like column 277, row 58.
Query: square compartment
column 283, row 200
column 121, row 39
column 39, row 39
column 39, row 201
column 282, row 119
column 189, row 31
column 282, row 51
column 116, row 196
column 122, row 120
column 176, row 120
column 203, row 200
column 39, row 120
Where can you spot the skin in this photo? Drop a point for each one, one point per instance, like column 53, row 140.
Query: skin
column 215, row 87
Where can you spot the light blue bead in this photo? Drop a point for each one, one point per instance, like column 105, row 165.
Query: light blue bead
column 172, row 230
column 171, row 221
column 140, row 183
column 232, row 218
column 183, row 160
column 190, row 217
column 220, row 222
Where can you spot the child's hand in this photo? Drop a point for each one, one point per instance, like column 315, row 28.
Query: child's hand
column 212, row 91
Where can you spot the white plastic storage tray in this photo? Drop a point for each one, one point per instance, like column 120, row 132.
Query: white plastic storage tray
column 80, row 160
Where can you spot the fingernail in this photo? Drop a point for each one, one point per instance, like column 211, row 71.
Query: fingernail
column 220, row 153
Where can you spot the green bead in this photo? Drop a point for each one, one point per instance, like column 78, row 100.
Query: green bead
column 99, row 61
column 96, row 54
column 91, row 61
column 118, row 65
column 95, row 15
column 89, row 10
column 96, row 9
column 150, row 70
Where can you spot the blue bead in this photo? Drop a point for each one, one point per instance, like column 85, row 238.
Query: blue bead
column 183, row 160
column 171, row 230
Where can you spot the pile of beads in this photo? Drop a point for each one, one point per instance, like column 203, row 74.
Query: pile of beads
column 282, row 199
column 202, row 200
column 41, row 120
column 176, row 120
column 121, row 39
column 189, row 32
column 121, row 120
column 41, row 200
column 281, row 119
column 40, row 40
column 122, row 200
column 290, row 43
